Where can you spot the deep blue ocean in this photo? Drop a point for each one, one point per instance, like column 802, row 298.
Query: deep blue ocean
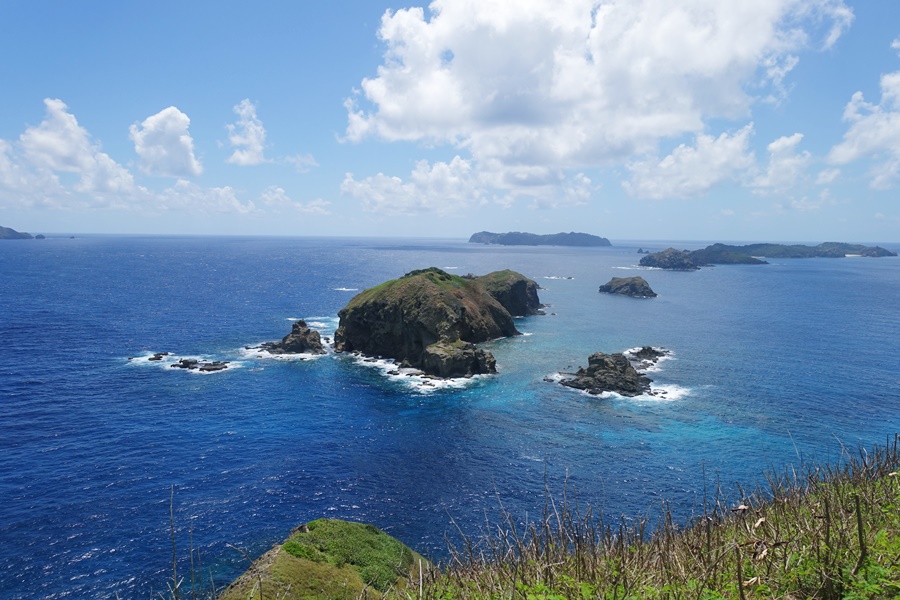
column 773, row 366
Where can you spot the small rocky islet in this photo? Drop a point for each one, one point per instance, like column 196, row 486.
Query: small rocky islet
column 619, row 373
column 634, row 287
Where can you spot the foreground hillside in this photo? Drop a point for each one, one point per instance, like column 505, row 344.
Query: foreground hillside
column 830, row 533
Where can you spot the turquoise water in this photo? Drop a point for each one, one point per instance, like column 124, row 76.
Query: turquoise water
column 772, row 365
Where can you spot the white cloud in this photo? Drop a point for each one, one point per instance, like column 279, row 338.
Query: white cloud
column 276, row 198
column 165, row 145
column 190, row 197
column 301, row 162
column 896, row 44
column 579, row 83
column 827, row 176
column 874, row 132
column 60, row 145
column 787, row 167
column 442, row 188
column 692, row 170
column 247, row 136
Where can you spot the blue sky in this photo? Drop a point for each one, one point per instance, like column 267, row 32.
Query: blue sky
column 632, row 119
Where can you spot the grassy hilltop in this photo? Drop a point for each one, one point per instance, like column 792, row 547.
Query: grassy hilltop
column 829, row 533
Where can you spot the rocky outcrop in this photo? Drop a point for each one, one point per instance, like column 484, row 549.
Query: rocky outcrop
column 608, row 373
column 670, row 258
column 635, row 287
column 519, row 238
column 301, row 340
column 515, row 292
column 429, row 320
column 11, row 234
column 204, row 366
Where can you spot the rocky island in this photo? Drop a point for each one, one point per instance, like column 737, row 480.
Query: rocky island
column 518, row 238
column 635, row 287
column 11, row 234
column 301, row 340
column 752, row 254
column 431, row 320
column 615, row 373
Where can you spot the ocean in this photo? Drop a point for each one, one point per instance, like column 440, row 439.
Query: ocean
column 772, row 367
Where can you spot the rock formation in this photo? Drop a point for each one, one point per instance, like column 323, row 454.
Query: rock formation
column 301, row 340
column 608, row 373
column 515, row 292
column 636, row 287
column 429, row 320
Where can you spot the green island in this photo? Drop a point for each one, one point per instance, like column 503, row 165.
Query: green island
column 752, row 254
column 828, row 532
column 431, row 320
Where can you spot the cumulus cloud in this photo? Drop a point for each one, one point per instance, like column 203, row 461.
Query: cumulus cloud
column 874, row 132
column 165, row 146
column 787, row 167
column 58, row 165
column 60, row 145
column 189, row 196
column 247, row 136
column 275, row 197
column 442, row 188
column 578, row 82
column 692, row 170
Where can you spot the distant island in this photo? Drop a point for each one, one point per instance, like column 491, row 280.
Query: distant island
column 752, row 254
column 518, row 238
column 11, row 234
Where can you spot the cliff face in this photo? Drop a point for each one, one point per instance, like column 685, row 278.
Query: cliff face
column 429, row 320
column 515, row 292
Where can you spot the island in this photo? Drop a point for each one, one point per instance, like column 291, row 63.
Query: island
column 634, row 287
column 752, row 254
column 301, row 340
column 518, row 238
column 431, row 320
column 615, row 373
column 11, row 234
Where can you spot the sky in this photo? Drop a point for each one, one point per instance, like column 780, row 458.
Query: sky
column 747, row 120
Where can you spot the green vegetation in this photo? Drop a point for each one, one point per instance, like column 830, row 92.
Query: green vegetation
column 830, row 533
column 327, row 559
column 825, row 533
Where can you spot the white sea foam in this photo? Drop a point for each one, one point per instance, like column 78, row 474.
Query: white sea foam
column 558, row 277
column 413, row 379
column 260, row 353
column 648, row 366
column 346, row 289
column 168, row 362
